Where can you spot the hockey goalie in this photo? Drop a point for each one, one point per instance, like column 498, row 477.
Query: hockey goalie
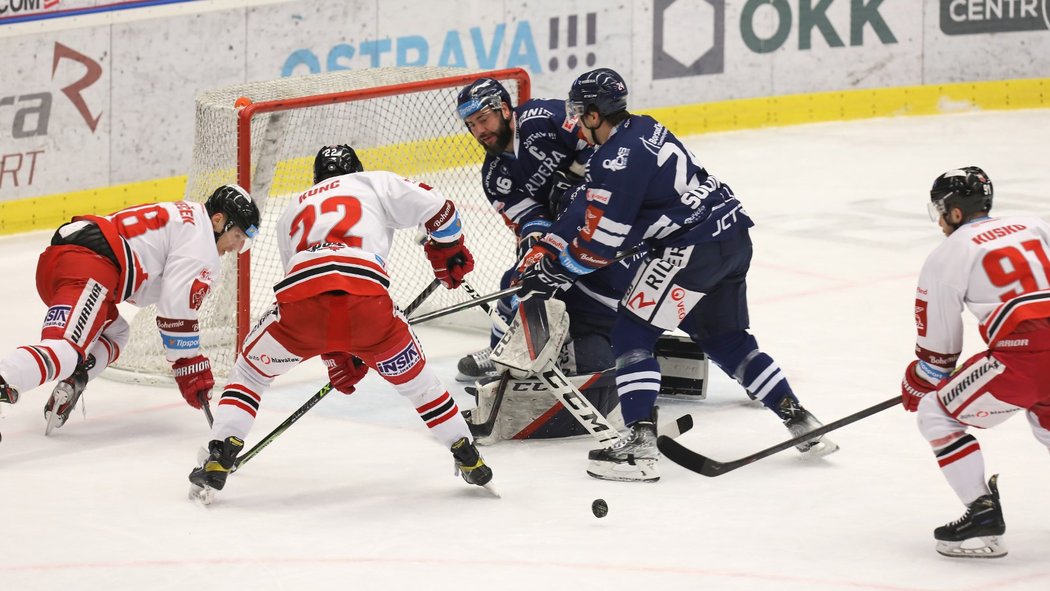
column 556, row 380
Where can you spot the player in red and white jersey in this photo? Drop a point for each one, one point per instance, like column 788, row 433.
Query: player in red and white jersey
column 333, row 303
column 165, row 254
column 999, row 268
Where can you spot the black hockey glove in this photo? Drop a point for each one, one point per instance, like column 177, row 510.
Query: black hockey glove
column 544, row 279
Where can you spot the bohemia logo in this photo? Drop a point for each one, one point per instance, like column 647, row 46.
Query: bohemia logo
column 971, row 17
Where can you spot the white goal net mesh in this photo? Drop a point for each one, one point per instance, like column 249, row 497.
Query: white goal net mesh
column 413, row 132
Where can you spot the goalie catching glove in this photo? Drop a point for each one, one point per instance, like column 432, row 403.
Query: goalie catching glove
column 913, row 388
column 193, row 376
column 451, row 261
column 344, row 371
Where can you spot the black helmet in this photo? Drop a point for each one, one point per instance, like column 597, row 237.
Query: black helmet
column 237, row 205
column 335, row 161
column 968, row 189
column 603, row 89
column 481, row 94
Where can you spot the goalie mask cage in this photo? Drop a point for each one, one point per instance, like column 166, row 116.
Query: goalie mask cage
column 398, row 119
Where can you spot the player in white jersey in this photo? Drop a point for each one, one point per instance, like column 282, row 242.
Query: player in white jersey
column 333, row 302
column 159, row 253
column 999, row 268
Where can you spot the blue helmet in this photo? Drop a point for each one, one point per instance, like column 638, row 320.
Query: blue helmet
column 602, row 88
column 483, row 93
column 335, row 161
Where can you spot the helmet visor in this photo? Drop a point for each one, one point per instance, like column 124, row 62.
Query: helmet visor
column 574, row 109
column 935, row 209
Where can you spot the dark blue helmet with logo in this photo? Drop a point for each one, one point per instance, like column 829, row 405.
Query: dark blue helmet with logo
column 483, row 93
column 603, row 89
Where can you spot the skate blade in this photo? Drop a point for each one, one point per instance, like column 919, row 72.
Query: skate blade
column 203, row 495
column 639, row 471
column 990, row 547
column 54, row 421
column 824, row 447
column 492, row 490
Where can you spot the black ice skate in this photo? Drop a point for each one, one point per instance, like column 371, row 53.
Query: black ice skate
column 631, row 459
column 978, row 533
column 469, row 463
column 476, row 366
column 7, row 393
column 210, row 475
column 65, row 396
column 799, row 421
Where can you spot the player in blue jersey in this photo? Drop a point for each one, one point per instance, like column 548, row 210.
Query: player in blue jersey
column 642, row 184
column 533, row 157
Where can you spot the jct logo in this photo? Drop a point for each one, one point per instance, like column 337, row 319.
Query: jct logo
column 969, row 17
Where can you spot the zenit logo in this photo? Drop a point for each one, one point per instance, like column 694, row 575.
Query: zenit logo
column 971, row 17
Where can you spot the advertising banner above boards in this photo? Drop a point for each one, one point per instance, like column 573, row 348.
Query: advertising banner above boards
column 99, row 94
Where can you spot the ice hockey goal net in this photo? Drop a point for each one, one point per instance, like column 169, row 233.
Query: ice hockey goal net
column 398, row 119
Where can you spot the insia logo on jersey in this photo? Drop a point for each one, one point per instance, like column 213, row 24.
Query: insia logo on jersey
column 920, row 316
column 56, row 316
column 402, row 362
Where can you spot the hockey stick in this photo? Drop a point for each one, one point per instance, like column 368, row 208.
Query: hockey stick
column 690, row 460
column 206, row 407
column 423, row 295
column 485, row 429
column 578, row 406
column 313, row 400
column 635, row 250
column 475, row 295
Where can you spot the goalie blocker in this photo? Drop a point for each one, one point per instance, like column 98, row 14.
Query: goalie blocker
column 519, row 404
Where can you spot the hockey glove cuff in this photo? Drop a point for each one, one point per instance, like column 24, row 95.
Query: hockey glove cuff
column 451, row 262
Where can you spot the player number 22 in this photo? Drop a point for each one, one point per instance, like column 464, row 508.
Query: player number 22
column 349, row 207
column 1008, row 266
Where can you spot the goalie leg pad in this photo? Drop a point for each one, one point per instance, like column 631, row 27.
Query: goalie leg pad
column 534, row 339
column 526, row 409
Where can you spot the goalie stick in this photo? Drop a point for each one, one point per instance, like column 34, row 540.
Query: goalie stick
column 691, row 460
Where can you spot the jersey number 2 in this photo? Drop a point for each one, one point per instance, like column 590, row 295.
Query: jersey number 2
column 340, row 232
column 1008, row 265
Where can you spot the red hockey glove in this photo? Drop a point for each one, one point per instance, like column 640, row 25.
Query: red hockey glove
column 193, row 375
column 450, row 261
column 913, row 388
column 344, row 371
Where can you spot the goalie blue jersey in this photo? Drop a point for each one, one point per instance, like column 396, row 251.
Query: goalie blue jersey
column 518, row 184
column 643, row 184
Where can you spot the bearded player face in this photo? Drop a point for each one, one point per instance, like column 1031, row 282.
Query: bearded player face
column 491, row 127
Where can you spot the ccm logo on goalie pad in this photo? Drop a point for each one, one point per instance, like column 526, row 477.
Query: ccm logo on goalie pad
column 402, row 362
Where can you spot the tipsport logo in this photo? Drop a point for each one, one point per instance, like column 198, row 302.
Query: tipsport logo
column 972, row 17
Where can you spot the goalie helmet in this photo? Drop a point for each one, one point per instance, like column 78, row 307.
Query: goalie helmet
column 968, row 189
column 483, row 93
column 237, row 205
column 603, row 89
column 336, row 161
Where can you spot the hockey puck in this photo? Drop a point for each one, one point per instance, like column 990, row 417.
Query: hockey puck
column 600, row 508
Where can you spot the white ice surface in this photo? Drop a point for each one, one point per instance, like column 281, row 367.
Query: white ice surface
column 358, row 496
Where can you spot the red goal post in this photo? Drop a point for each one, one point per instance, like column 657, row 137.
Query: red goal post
column 264, row 136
